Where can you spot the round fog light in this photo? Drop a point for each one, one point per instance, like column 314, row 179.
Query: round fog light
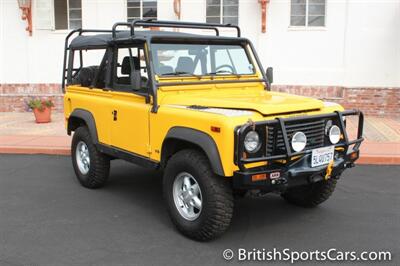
column 299, row 141
column 252, row 142
column 334, row 134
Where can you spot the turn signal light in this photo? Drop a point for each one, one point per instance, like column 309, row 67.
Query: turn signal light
column 215, row 129
column 258, row 177
column 353, row 155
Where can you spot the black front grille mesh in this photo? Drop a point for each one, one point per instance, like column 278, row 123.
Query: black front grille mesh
column 314, row 130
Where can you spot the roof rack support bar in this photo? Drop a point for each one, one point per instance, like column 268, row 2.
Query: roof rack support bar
column 65, row 56
column 169, row 25
column 118, row 24
column 183, row 24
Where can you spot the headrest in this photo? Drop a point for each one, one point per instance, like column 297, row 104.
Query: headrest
column 126, row 65
column 185, row 64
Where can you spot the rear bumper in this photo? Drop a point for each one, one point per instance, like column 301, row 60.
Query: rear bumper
column 297, row 173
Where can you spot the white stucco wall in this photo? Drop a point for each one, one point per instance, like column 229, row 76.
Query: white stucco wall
column 360, row 45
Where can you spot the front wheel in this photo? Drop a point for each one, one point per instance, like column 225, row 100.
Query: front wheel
column 199, row 202
column 310, row 195
column 91, row 166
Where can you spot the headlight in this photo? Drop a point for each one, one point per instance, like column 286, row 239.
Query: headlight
column 334, row 134
column 252, row 142
column 299, row 141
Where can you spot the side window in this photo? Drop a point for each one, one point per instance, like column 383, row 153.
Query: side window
column 123, row 65
column 141, row 9
column 130, row 72
column 222, row 11
column 93, row 65
column 67, row 14
column 307, row 13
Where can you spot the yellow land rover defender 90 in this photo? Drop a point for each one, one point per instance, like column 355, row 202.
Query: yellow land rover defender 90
column 199, row 108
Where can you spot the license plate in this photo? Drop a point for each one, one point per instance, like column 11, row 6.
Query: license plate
column 322, row 156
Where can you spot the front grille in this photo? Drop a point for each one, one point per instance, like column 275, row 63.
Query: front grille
column 314, row 130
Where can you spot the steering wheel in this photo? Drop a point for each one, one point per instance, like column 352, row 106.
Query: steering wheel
column 227, row 66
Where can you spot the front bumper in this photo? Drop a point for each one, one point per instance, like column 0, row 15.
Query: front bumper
column 296, row 169
column 297, row 173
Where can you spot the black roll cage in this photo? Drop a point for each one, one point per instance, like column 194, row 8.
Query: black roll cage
column 153, row 84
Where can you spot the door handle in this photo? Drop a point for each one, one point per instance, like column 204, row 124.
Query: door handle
column 114, row 113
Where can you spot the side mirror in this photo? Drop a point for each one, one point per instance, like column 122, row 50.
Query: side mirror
column 270, row 74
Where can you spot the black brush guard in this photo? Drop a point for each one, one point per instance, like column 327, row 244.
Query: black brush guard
column 296, row 167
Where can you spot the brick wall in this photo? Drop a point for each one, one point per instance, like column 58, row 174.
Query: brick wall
column 13, row 97
column 372, row 101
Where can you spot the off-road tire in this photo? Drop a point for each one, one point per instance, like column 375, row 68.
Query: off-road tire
column 217, row 197
column 310, row 195
column 99, row 163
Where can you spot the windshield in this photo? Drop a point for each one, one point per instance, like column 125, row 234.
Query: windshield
column 200, row 60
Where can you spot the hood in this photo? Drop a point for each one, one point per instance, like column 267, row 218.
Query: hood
column 264, row 102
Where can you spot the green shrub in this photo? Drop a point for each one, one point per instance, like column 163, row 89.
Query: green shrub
column 40, row 104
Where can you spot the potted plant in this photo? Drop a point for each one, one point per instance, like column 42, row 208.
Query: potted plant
column 41, row 109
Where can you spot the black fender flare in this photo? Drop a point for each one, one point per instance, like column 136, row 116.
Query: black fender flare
column 202, row 140
column 89, row 121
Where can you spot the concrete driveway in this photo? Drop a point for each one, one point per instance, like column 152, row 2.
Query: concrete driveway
column 47, row 218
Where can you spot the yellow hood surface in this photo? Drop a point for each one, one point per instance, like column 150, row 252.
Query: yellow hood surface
column 264, row 102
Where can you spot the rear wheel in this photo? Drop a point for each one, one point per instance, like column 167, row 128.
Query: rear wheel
column 91, row 166
column 199, row 202
column 310, row 195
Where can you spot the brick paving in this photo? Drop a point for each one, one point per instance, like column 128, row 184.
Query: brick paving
column 20, row 134
column 23, row 123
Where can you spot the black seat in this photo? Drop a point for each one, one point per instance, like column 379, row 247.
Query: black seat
column 126, row 70
column 185, row 64
column 85, row 76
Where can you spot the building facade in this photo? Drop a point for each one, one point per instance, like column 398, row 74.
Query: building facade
column 342, row 50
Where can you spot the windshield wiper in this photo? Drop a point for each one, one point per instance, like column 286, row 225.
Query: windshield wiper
column 180, row 73
column 222, row 72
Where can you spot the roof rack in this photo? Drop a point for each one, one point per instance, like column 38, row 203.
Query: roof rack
column 141, row 23
column 171, row 24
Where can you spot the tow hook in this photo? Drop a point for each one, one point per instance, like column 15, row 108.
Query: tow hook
column 329, row 170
